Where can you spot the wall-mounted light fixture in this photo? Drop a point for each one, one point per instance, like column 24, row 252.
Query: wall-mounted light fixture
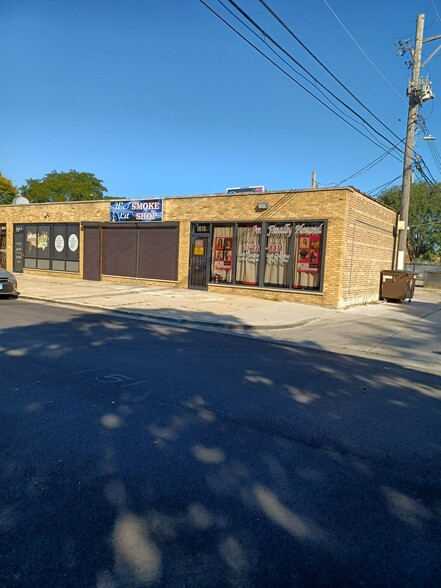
column 261, row 206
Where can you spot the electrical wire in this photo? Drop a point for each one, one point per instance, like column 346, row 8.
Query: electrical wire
column 263, row 32
column 314, row 81
column 290, row 77
column 282, row 23
column 375, row 192
column 353, row 73
column 365, row 168
column 428, row 175
column 436, row 156
column 364, row 52
column 342, row 115
column 436, row 11
column 432, row 147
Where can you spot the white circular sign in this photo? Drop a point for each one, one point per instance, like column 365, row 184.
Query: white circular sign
column 73, row 242
column 59, row 243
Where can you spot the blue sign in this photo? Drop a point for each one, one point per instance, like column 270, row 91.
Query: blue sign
column 136, row 210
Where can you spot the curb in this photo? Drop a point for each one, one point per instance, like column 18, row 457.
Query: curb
column 160, row 318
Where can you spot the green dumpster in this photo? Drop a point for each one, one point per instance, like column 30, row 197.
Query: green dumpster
column 397, row 285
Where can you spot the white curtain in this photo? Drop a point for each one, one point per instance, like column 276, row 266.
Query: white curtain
column 248, row 254
column 277, row 260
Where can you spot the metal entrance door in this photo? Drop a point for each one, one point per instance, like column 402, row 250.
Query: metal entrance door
column 92, row 253
column 199, row 262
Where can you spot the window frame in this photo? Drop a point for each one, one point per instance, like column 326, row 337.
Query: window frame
column 261, row 285
column 39, row 259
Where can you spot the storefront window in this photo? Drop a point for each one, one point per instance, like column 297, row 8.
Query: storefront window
column 43, row 242
column 277, row 256
column 248, row 254
column 222, row 255
column 282, row 254
column 307, row 255
column 31, row 241
column 47, row 247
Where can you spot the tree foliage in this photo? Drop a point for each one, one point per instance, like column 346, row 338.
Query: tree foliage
column 68, row 186
column 7, row 190
column 424, row 234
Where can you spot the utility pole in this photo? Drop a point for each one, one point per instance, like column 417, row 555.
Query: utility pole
column 414, row 103
column 314, row 180
column 419, row 91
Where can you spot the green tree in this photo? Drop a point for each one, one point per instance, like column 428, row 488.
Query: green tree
column 68, row 186
column 424, row 234
column 7, row 190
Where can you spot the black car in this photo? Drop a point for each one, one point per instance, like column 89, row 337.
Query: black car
column 8, row 283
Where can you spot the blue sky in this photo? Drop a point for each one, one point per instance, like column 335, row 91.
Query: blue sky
column 160, row 98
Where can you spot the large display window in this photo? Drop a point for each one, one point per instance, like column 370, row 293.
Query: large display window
column 307, row 256
column 248, row 254
column 282, row 254
column 277, row 254
column 222, row 252
column 52, row 247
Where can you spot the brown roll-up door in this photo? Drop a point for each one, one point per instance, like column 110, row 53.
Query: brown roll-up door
column 92, row 248
column 158, row 253
column 119, row 251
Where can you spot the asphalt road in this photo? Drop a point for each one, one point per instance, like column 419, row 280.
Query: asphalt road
column 135, row 454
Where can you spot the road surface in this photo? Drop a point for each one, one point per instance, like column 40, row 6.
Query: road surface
column 135, row 454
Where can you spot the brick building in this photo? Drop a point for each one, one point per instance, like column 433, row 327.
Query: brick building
column 323, row 247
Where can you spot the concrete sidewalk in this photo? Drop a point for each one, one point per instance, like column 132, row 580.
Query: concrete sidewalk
column 408, row 334
column 174, row 305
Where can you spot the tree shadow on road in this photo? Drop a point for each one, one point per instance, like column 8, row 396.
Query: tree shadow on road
column 140, row 454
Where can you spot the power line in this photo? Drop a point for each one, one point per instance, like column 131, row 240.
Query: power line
column 282, row 23
column 364, row 53
column 436, row 11
column 263, row 32
column 290, row 77
column 435, row 155
column 318, row 33
column 286, row 62
column 374, row 192
column 419, row 171
column 432, row 147
column 429, row 178
column 267, row 36
column 365, row 168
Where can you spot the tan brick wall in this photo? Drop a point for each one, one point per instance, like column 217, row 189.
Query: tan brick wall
column 301, row 205
column 349, row 276
column 369, row 248
column 50, row 212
